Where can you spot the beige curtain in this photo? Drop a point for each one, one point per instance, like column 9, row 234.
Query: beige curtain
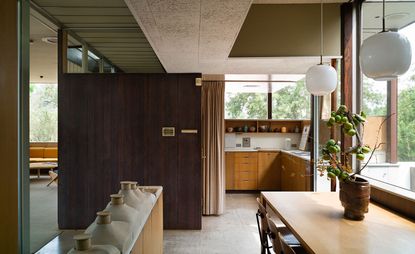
column 213, row 131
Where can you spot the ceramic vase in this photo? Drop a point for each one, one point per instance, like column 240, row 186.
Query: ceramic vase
column 122, row 212
column 130, row 198
column 143, row 195
column 83, row 245
column 105, row 231
column 355, row 196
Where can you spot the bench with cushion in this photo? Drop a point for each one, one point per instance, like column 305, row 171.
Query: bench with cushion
column 43, row 154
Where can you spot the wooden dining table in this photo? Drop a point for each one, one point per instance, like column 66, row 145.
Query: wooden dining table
column 316, row 219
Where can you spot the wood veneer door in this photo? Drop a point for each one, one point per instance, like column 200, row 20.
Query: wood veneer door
column 268, row 171
column 189, row 154
column 230, row 170
column 162, row 152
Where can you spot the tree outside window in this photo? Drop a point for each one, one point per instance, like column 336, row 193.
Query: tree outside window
column 43, row 113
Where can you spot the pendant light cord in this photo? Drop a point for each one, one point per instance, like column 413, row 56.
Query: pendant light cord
column 383, row 17
column 321, row 32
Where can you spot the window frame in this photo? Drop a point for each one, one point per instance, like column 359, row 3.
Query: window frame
column 269, row 105
column 393, row 197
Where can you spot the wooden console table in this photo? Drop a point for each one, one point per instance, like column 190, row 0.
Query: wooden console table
column 42, row 165
column 316, row 219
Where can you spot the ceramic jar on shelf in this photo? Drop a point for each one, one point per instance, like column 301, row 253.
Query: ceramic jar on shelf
column 143, row 194
column 130, row 198
column 122, row 212
column 105, row 231
column 83, row 245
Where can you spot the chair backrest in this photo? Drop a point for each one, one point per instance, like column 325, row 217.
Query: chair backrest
column 285, row 247
column 276, row 243
column 263, row 214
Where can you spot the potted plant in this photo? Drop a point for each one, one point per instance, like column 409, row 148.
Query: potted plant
column 354, row 190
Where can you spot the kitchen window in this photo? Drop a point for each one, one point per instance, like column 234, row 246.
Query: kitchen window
column 266, row 97
column 393, row 102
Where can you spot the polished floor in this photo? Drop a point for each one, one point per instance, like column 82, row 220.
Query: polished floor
column 43, row 212
column 233, row 232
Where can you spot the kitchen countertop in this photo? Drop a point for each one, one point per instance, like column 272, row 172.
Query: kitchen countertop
column 305, row 155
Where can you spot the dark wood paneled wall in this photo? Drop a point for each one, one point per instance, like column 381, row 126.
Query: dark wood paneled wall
column 110, row 130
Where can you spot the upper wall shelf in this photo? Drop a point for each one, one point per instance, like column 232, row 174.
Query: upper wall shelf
column 264, row 126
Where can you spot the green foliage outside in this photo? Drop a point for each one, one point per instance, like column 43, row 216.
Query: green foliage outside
column 43, row 113
column 375, row 104
column 406, row 123
column 290, row 102
column 246, row 106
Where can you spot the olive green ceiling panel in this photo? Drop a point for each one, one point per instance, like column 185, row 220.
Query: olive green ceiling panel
column 108, row 27
column 285, row 30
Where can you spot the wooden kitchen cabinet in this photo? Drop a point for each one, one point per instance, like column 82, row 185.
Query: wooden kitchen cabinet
column 246, row 171
column 295, row 173
column 230, row 170
column 241, row 170
column 269, row 171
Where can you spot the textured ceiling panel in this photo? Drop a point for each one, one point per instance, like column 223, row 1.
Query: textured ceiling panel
column 197, row 36
column 108, row 27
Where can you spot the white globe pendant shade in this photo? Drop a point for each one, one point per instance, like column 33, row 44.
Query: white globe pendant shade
column 385, row 56
column 321, row 80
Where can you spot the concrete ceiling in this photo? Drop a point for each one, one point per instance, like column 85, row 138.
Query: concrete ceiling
column 107, row 26
column 398, row 15
column 43, row 56
column 197, row 36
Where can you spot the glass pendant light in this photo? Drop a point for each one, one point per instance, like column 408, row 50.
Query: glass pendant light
column 321, row 79
column 385, row 55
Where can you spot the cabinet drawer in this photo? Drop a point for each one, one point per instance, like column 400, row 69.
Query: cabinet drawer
column 246, row 175
column 242, row 160
column 246, row 185
column 246, row 167
column 249, row 155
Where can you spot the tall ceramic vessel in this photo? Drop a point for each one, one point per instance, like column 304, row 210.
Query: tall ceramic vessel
column 129, row 196
column 143, row 195
column 122, row 212
column 83, row 245
column 105, row 231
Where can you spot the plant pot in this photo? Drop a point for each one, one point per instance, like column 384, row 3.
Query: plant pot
column 355, row 196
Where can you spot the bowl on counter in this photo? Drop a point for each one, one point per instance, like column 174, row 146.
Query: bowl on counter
column 263, row 128
column 229, row 129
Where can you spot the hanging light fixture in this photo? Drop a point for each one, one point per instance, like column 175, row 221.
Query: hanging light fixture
column 385, row 55
column 321, row 79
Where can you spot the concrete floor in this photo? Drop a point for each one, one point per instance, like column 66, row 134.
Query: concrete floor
column 43, row 212
column 233, row 232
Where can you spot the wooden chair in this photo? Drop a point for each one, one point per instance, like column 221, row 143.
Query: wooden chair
column 263, row 230
column 286, row 249
column 286, row 234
